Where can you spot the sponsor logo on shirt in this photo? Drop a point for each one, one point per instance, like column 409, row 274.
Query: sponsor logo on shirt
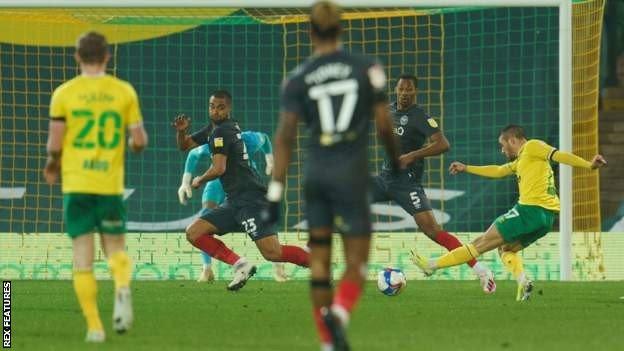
column 403, row 120
column 432, row 122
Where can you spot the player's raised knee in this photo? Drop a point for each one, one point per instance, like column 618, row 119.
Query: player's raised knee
column 192, row 233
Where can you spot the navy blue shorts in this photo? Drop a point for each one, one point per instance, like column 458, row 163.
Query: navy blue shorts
column 402, row 189
column 331, row 204
column 241, row 214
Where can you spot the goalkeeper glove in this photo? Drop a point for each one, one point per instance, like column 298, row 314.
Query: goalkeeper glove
column 185, row 191
column 269, row 164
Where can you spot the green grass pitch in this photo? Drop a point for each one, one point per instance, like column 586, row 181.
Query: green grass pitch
column 428, row 315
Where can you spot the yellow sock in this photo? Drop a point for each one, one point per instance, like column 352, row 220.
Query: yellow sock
column 121, row 269
column 457, row 256
column 513, row 263
column 86, row 291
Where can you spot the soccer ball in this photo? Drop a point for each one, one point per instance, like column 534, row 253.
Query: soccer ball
column 391, row 281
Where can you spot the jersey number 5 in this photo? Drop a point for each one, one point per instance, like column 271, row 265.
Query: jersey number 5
column 322, row 94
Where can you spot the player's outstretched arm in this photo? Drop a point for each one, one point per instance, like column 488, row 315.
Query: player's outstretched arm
column 385, row 133
column 215, row 171
column 438, row 145
column 492, row 171
column 571, row 159
column 181, row 124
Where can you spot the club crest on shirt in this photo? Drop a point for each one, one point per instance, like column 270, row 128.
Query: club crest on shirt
column 432, row 122
column 218, row 142
column 403, row 120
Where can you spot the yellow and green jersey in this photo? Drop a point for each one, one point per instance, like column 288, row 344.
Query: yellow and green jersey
column 97, row 112
column 536, row 181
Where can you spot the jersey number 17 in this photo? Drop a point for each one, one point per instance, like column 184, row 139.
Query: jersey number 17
column 323, row 94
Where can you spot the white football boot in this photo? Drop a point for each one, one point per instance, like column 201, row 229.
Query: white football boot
column 242, row 272
column 525, row 288
column 487, row 282
column 122, row 312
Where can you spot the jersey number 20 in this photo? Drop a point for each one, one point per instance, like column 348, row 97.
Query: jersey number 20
column 322, row 94
column 84, row 139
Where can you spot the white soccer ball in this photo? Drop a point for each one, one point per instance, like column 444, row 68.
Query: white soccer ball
column 391, row 281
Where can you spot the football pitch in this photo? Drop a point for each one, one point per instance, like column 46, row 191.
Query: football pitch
column 428, row 315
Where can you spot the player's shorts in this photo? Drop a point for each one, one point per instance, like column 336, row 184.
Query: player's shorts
column 329, row 205
column 241, row 214
column 525, row 224
column 86, row 213
column 404, row 189
column 213, row 192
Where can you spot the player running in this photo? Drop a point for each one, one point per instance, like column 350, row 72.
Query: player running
column 245, row 197
column 414, row 127
column 336, row 94
column 530, row 219
column 89, row 118
column 213, row 195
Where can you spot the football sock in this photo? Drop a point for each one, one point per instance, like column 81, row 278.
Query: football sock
column 85, row 287
column 121, row 269
column 480, row 269
column 321, row 295
column 450, row 242
column 347, row 295
column 457, row 256
column 296, row 255
column 322, row 330
column 216, row 249
column 513, row 263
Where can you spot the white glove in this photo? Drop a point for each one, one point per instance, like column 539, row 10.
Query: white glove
column 185, row 191
column 268, row 158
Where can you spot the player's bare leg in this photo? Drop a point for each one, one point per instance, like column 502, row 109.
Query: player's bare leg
column 513, row 262
column 321, row 292
column 85, row 286
column 207, row 275
column 336, row 318
column 273, row 251
column 114, row 246
column 428, row 224
column 200, row 234
column 356, row 250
